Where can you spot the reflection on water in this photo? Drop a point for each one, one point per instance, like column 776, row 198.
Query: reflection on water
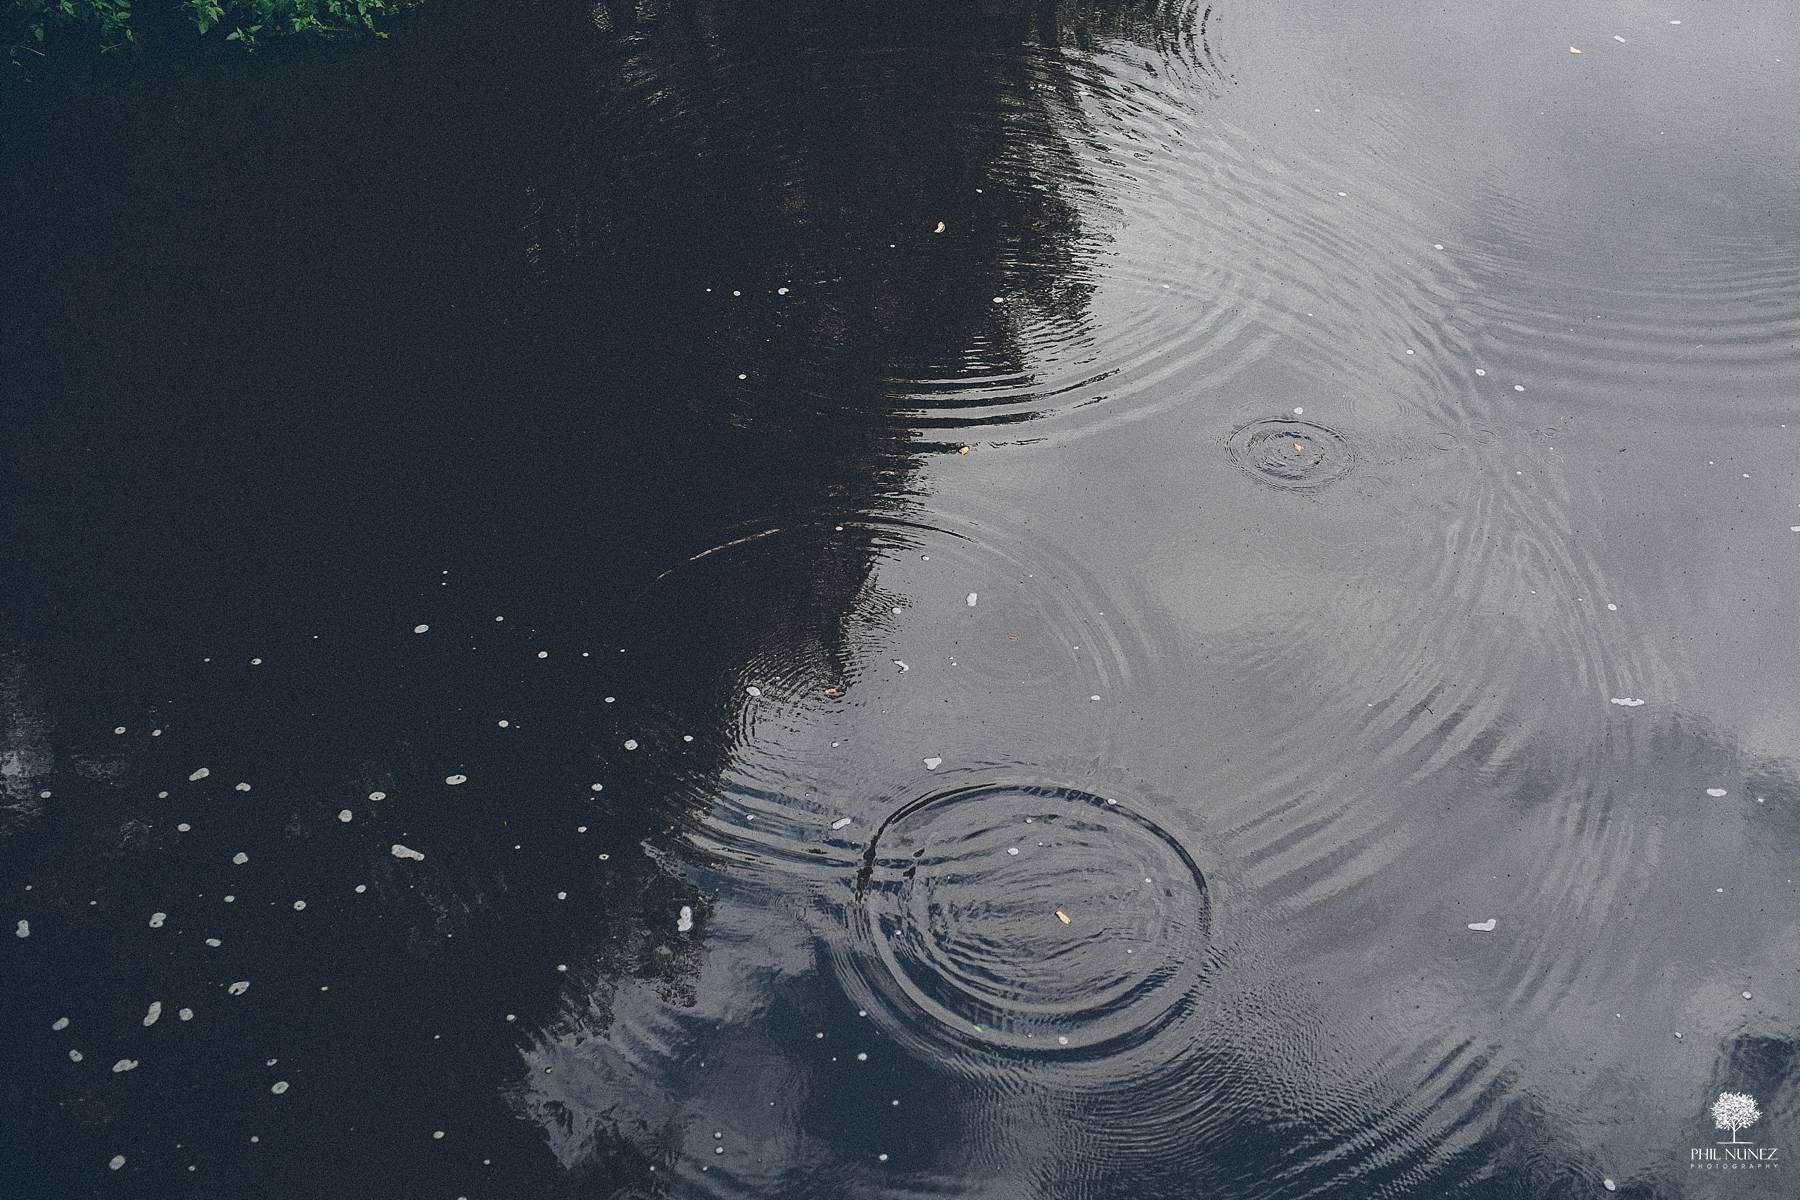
column 1069, row 600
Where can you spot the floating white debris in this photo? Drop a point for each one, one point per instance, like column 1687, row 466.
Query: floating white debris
column 1616, row 38
column 840, row 822
column 1573, row 50
column 1013, row 850
column 1486, row 926
column 119, row 729
column 60, row 1024
column 118, row 1160
column 24, row 929
column 1608, row 1184
column 124, row 1065
column 901, row 665
column 243, row 787
column 754, row 690
column 202, row 773
column 345, row 815
column 932, row 764
column 1746, row 995
column 1715, row 793
column 972, row 599
column 240, row 858
column 631, row 743
column 279, row 1087
column 378, row 795
column 239, row 988
column 1627, row 701
column 684, row 920
column 453, row 780
column 186, row 1014
column 153, row 1014
column 399, row 851
column 420, row 628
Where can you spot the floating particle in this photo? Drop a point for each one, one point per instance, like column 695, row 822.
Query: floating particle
column 940, row 228
column 932, row 764
column 972, row 598
column 1013, row 850
column 118, row 1160
column 378, row 795
column 840, row 822
column 754, row 690
column 299, row 906
column 202, row 773
column 74, row 1056
column 215, row 943
column 157, row 919
column 1608, row 1184
column 901, row 665
column 631, row 743
column 543, row 654
column 684, row 920
column 881, row 1158
column 1715, row 793
column 279, row 1087
column 153, row 1013
column 345, row 815
column 239, row 988
column 1627, row 701
column 437, row 1134
column 1518, row 387
column 124, row 1065
column 1616, row 38
column 420, row 628
column 1573, row 50
column 1486, row 926
column 781, row 291
column 185, row 1014
column 240, row 858
column 243, row 787
column 1063, row 917
column 453, row 780
column 1480, row 371
column 1746, row 995
column 361, row 888
column 596, row 787
column 183, row 827
column 399, row 851
column 60, row 1024
column 119, row 729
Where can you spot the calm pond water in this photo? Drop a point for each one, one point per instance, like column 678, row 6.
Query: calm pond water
column 1103, row 600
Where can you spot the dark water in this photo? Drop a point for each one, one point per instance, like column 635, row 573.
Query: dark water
column 725, row 686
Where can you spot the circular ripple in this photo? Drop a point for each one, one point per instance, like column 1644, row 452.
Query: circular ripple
column 1291, row 455
column 1032, row 919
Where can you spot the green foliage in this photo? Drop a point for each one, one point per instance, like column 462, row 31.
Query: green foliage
column 27, row 24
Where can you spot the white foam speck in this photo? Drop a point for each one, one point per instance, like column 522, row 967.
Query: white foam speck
column 1486, row 926
column 931, row 764
column 754, row 690
column 1627, row 701
column 153, row 1014
column 1014, row 850
column 197, row 776
column 453, row 780
column 186, row 1014
column 684, row 920
column 118, row 1160
column 399, row 851
column 631, row 743
column 1715, row 793
column 840, row 822
column 183, row 827
column 215, row 943
column 345, row 815
column 1608, row 1184
column 420, row 628
column 1298, row 411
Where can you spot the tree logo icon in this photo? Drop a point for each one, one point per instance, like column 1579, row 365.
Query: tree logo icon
column 1733, row 1111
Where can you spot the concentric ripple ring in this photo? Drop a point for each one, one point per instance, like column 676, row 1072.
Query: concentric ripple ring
column 1031, row 919
column 1290, row 454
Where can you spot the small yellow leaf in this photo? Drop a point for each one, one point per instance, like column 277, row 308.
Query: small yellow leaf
column 940, row 228
column 962, row 449
column 1299, row 448
column 1062, row 916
